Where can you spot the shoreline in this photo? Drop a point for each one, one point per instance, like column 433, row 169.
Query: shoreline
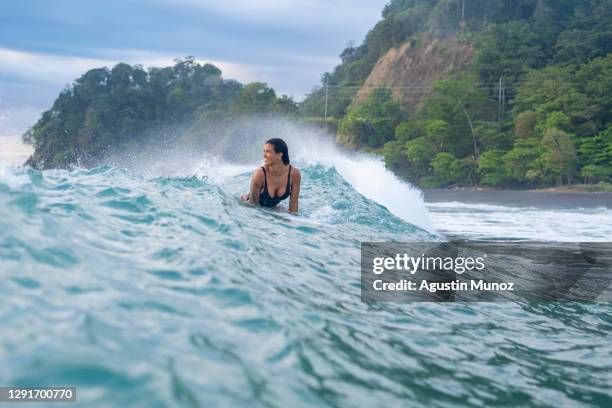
column 574, row 189
column 564, row 198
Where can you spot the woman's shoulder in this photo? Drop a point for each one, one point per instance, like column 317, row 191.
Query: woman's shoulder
column 258, row 173
column 295, row 172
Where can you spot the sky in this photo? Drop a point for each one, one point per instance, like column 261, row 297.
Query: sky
column 45, row 45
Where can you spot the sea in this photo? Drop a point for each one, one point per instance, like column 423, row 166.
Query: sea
column 153, row 285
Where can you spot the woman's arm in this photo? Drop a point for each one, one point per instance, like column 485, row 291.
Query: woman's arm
column 255, row 189
column 296, row 179
column 256, row 186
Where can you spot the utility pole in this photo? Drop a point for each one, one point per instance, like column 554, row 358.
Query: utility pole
column 503, row 101
column 326, row 93
column 499, row 104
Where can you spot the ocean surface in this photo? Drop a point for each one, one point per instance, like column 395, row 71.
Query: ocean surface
column 160, row 288
column 487, row 221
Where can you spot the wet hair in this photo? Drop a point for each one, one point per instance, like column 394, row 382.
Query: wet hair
column 280, row 147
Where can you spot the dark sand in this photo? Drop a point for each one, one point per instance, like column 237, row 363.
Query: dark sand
column 542, row 199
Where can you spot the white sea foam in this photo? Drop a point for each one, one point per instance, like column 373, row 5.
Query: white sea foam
column 13, row 176
column 366, row 173
column 485, row 221
column 369, row 177
column 310, row 146
column 217, row 170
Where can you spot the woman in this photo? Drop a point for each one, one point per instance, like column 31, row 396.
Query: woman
column 276, row 179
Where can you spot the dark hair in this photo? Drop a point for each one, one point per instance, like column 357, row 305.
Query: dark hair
column 280, row 147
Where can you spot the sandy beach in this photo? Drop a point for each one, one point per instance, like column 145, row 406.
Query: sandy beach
column 517, row 198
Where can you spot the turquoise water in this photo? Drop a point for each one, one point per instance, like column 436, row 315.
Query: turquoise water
column 167, row 291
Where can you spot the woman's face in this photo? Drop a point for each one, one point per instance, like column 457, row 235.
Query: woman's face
column 270, row 156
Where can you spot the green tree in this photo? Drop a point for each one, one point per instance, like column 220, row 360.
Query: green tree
column 520, row 160
column 595, row 156
column 354, row 129
column 588, row 34
column 408, row 130
column 285, row 106
column 560, row 153
column 437, row 131
column 595, row 81
column 419, row 153
column 109, row 110
column 255, row 98
column 394, row 156
column 508, row 52
column 525, row 124
column 491, row 136
column 372, row 122
column 491, row 168
column 447, row 169
column 459, row 103
column 593, row 173
column 553, row 89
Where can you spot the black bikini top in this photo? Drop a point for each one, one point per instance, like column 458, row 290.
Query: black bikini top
column 265, row 200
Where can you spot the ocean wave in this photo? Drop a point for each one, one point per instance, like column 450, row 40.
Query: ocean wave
column 166, row 290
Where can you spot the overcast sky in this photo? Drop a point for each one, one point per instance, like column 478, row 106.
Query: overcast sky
column 45, row 45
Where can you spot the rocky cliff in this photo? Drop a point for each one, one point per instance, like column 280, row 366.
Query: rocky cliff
column 411, row 70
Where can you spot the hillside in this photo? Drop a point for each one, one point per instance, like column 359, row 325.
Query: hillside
column 467, row 92
column 411, row 69
column 124, row 109
column 501, row 93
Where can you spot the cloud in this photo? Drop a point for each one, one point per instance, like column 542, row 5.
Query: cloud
column 46, row 68
column 12, row 151
column 31, row 81
column 286, row 43
column 254, row 31
column 312, row 15
column 15, row 120
column 54, row 69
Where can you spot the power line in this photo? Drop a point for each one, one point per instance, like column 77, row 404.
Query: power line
column 488, row 85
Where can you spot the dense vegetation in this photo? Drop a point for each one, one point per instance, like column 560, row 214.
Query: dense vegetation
column 548, row 123
column 533, row 110
column 109, row 110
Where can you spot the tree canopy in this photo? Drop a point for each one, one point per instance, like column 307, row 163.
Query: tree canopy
column 106, row 110
column 534, row 109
